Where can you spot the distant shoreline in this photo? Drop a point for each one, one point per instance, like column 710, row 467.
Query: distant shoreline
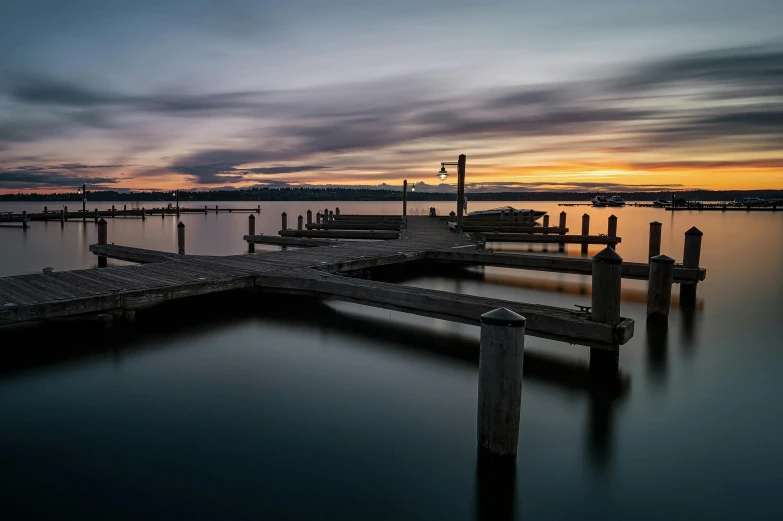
column 356, row 195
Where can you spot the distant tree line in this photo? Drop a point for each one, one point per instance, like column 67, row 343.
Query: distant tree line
column 369, row 194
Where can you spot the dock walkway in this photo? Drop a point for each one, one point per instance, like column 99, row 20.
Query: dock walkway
column 312, row 271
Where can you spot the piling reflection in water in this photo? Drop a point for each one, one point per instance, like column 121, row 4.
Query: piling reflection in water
column 495, row 491
column 657, row 336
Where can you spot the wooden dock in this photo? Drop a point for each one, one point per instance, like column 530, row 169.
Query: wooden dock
column 314, row 272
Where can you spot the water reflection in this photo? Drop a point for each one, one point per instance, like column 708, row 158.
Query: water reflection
column 495, row 491
column 657, row 335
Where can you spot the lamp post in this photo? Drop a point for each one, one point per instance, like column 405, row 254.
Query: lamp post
column 443, row 174
column 83, row 192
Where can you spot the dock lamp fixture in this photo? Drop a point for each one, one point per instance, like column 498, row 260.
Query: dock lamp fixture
column 413, row 188
column 443, row 174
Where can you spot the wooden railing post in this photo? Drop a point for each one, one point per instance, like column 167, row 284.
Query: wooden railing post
column 562, row 225
column 143, row 213
column 309, row 217
column 300, row 223
column 607, row 277
column 546, row 223
column 96, row 216
column 285, row 221
column 500, row 383
column 659, row 286
column 612, row 229
column 24, row 219
column 318, row 218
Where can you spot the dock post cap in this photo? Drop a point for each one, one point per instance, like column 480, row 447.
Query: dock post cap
column 586, row 215
column 662, row 258
column 561, row 213
column 613, row 216
column 283, row 213
column 251, row 217
column 607, row 256
column 503, row 317
column 180, row 225
column 656, row 223
column 694, row 231
column 102, row 221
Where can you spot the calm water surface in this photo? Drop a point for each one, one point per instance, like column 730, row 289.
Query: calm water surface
column 248, row 407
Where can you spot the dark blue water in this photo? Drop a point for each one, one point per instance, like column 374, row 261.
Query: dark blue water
column 253, row 406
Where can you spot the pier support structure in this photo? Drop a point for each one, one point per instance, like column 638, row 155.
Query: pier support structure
column 690, row 259
column 659, row 286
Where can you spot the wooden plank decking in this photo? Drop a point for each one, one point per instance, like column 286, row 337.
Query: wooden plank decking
column 312, row 271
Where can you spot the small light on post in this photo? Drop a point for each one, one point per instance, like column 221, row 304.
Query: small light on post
column 413, row 187
column 443, row 174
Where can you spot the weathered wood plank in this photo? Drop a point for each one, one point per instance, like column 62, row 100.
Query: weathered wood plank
column 563, row 239
column 343, row 234
column 288, row 241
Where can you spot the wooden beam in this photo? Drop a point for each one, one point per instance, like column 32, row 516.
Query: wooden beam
column 126, row 253
column 558, row 264
column 354, row 225
column 341, row 234
column 569, row 239
column 544, row 321
column 288, row 241
column 510, row 227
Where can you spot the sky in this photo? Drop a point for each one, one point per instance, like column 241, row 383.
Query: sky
column 539, row 94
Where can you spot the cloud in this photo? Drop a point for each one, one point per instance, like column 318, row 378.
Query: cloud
column 25, row 179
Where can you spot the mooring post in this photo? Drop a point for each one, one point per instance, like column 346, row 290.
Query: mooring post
column 205, row 209
column 546, row 223
column 112, row 211
column 285, row 221
column 500, row 384
column 163, row 213
column 612, row 230
column 46, row 209
column 258, row 209
column 690, row 259
column 177, row 203
column 181, row 238
column 24, row 219
column 309, row 217
column 300, row 223
column 659, row 286
column 607, row 277
column 452, row 217
column 337, row 211
column 62, row 218
column 216, row 209
column 585, row 231
column 143, row 213
column 96, row 216
column 66, row 212
column 404, row 198
column 103, row 234
column 562, row 225
column 326, row 215
column 460, row 191
column 331, row 215
column 318, row 218
column 251, row 230
column 124, row 207
column 655, row 240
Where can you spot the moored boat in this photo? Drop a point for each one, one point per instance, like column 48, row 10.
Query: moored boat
column 495, row 212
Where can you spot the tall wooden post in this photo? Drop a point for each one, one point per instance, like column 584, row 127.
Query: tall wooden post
column 177, row 203
column 585, row 231
column 309, row 217
column 659, row 286
column 500, row 383
column 24, row 219
column 612, row 229
column 326, row 215
column 607, row 277
column 460, row 190
column 46, row 209
column 181, row 238
column 562, row 226
column 84, row 203
column 96, row 216
column 690, row 259
column 546, row 223
column 284, row 217
column 66, row 212
column 112, row 211
column 251, row 230
column 258, row 209
column 337, row 211
column 299, row 223
column 143, row 213
column 318, row 218
column 655, row 240
column 331, row 215
column 405, row 197
column 205, row 209
column 62, row 218
column 103, row 234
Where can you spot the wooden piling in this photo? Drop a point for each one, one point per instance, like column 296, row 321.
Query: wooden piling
column 216, row 209
column 531, row 217
column 24, row 219
column 251, row 230
column 546, row 223
column 690, row 259
column 112, row 211
column 585, row 231
column 452, row 217
column 300, row 223
column 258, row 209
column 177, row 203
column 612, row 228
column 659, row 287
column 124, row 207
column 96, row 216
column 460, row 190
column 143, row 213
column 309, row 217
column 103, row 233
column 318, row 218
column 337, row 211
column 46, row 209
column 331, row 215
column 326, row 215
column 284, row 217
column 62, row 218
column 181, row 238
column 562, row 226
column 66, row 212
column 607, row 277
column 500, row 384
column 205, row 209
column 655, row 240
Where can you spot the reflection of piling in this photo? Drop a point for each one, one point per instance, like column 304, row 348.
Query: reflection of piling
column 103, row 234
column 251, row 230
column 500, row 383
column 659, row 286
column 181, row 238
column 496, row 490
column 690, row 259
column 655, row 240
